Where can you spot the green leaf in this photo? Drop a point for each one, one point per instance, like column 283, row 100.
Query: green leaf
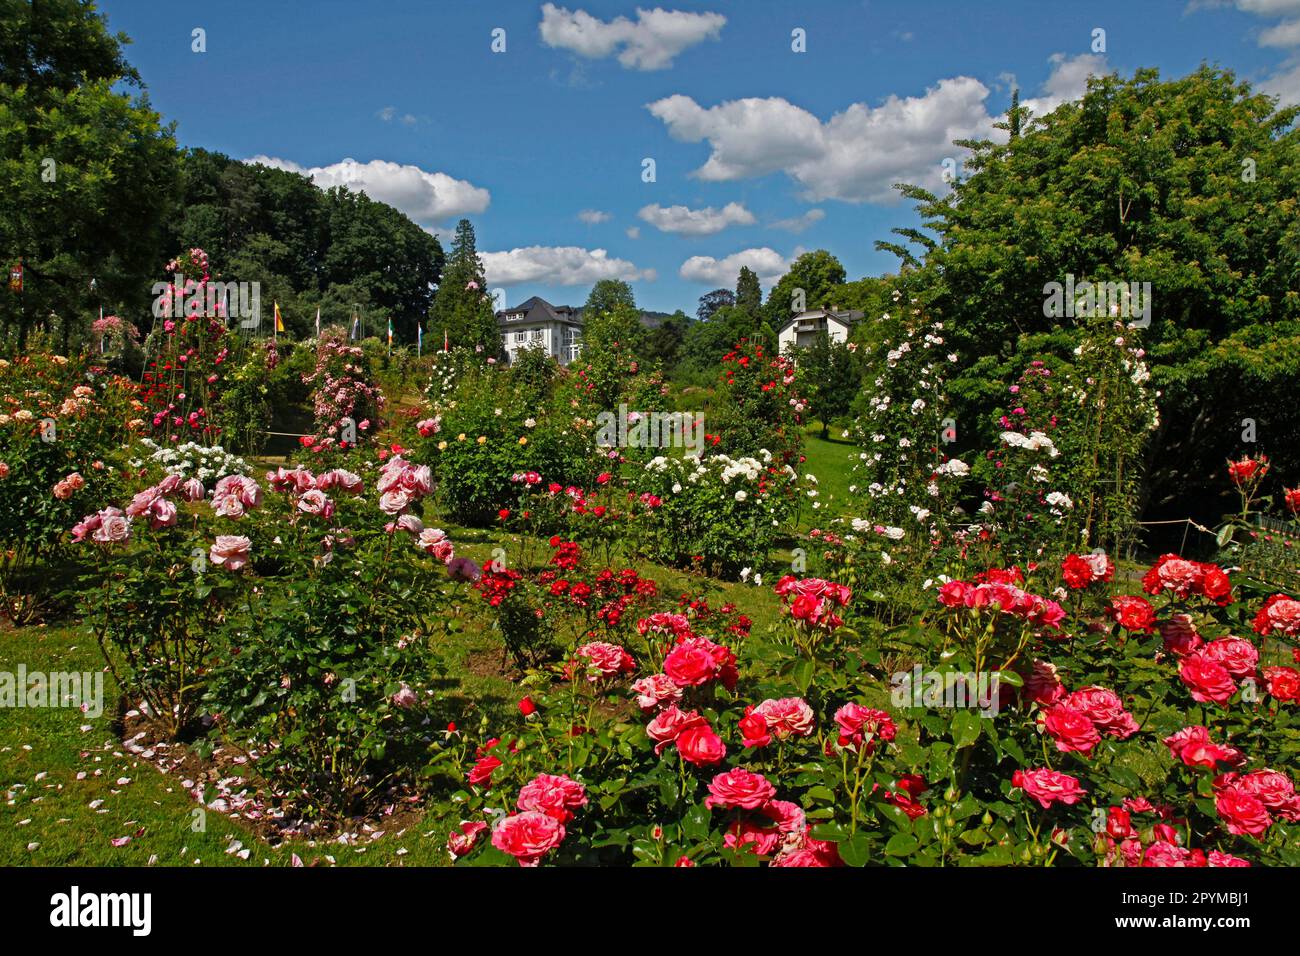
column 900, row 844
column 966, row 728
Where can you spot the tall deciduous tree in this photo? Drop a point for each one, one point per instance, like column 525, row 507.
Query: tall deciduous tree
column 1191, row 185
column 812, row 281
column 88, row 171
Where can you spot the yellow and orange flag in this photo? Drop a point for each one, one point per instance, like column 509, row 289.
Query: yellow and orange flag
column 279, row 322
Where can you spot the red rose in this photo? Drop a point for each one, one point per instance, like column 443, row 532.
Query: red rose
column 1193, row 747
column 739, row 788
column 1208, row 680
column 1279, row 614
column 1133, row 613
column 1042, row 685
column 1247, row 469
column 1104, row 708
column 482, row 771
column 700, row 746
column 462, row 840
column 1070, row 729
column 528, row 836
column 527, row 707
column 1179, row 634
column 1048, row 786
column 1237, row 655
column 669, row 723
column 1076, row 571
column 1119, row 823
column 555, row 795
column 753, row 728
column 1292, row 498
column 1242, row 812
column 1283, row 683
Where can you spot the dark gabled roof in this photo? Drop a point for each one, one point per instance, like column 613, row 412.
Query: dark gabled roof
column 845, row 316
column 537, row 309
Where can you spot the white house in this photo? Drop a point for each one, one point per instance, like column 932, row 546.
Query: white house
column 557, row 328
column 803, row 329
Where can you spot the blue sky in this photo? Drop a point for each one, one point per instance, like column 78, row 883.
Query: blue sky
column 760, row 152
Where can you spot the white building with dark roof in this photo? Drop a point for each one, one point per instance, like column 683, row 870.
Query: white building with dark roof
column 556, row 328
column 803, row 329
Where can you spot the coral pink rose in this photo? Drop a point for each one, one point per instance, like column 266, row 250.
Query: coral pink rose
column 1192, row 745
column 1048, row 786
column 1208, row 680
column 739, row 788
column 528, row 836
column 669, row 723
column 700, row 746
column 1242, row 812
column 1236, row 654
column 1071, row 730
column 555, row 795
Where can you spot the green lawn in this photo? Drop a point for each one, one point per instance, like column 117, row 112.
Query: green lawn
column 831, row 461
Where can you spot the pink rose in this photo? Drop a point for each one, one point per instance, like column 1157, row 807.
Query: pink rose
column 231, row 550
column 739, row 788
column 555, row 795
column 528, row 836
column 1048, row 786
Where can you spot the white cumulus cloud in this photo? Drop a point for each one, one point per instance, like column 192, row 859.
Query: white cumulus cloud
column 558, row 265
column 683, row 221
column 648, row 43
column 594, row 216
column 858, row 154
column 428, row 198
column 769, row 265
column 1284, row 83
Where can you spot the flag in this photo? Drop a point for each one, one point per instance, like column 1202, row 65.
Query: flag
column 16, row 277
column 102, row 347
column 318, row 321
column 419, row 339
column 390, row 334
column 279, row 323
column 356, row 326
column 444, row 339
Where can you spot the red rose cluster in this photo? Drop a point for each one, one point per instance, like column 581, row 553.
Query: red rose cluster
column 1184, row 578
column 1003, row 597
column 765, row 825
column 1081, row 570
column 813, row 602
column 1077, row 721
column 1210, row 672
column 1279, row 615
column 546, row 803
column 1121, row 842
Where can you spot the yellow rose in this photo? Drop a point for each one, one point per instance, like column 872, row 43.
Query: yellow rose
column 482, row 439
column 523, row 441
column 460, row 437
column 442, row 446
